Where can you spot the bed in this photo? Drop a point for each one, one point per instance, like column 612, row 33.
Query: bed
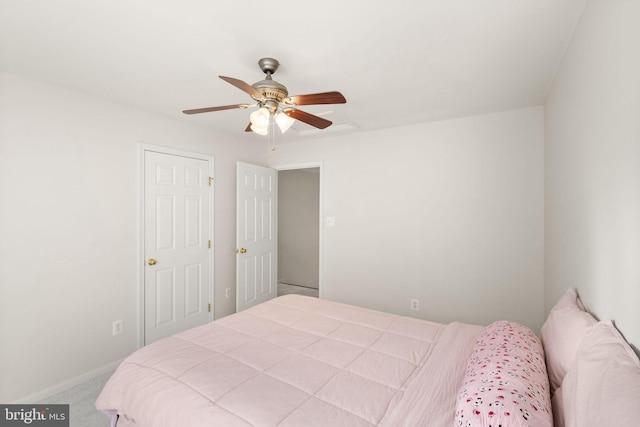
column 301, row 361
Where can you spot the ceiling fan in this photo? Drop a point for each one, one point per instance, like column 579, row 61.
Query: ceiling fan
column 273, row 100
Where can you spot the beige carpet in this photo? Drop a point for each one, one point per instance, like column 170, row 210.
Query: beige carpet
column 81, row 400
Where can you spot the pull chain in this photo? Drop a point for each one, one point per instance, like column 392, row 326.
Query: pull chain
column 271, row 136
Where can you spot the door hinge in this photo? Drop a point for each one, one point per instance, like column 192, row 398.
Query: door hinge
column 209, row 244
column 210, row 180
column 209, row 307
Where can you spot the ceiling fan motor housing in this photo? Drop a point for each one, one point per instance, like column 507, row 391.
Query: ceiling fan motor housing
column 272, row 91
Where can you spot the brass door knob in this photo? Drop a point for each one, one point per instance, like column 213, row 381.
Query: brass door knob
column 152, row 261
column 242, row 251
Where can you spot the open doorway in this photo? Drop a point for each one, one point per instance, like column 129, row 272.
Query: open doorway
column 299, row 220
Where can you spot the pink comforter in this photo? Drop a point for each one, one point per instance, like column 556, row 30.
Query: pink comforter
column 295, row 361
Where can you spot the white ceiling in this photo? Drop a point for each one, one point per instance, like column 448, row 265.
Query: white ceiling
column 397, row 62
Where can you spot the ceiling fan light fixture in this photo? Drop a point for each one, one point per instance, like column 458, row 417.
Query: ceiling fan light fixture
column 260, row 130
column 260, row 118
column 284, row 122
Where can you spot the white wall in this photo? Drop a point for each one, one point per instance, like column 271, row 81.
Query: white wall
column 69, row 233
column 450, row 213
column 402, row 199
column 592, row 167
column 298, row 225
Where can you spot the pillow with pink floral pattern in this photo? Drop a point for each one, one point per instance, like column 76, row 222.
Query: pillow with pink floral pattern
column 506, row 381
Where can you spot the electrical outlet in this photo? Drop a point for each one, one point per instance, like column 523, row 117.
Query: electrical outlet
column 117, row 327
column 415, row 304
column 227, row 292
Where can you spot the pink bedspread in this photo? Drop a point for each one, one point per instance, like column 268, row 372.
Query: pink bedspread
column 296, row 361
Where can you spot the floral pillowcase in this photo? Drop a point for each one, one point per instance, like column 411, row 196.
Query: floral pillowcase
column 506, row 381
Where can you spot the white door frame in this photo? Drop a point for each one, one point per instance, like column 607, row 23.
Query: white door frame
column 320, row 166
column 142, row 147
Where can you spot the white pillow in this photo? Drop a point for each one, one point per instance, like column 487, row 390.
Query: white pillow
column 602, row 388
column 561, row 335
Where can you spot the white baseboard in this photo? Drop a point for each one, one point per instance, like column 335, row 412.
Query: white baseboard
column 50, row 391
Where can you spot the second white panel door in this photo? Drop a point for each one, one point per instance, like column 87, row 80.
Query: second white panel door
column 256, row 235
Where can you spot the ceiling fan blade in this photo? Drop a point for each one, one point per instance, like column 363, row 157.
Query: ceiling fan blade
column 209, row 109
column 243, row 86
column 316, row 98
column 309, row 119
column 248, row 128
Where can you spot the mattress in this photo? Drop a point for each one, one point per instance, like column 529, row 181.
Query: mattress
column 295, row 361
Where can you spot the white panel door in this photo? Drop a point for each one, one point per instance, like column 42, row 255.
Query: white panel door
column 177, row 221
column 256, row 235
